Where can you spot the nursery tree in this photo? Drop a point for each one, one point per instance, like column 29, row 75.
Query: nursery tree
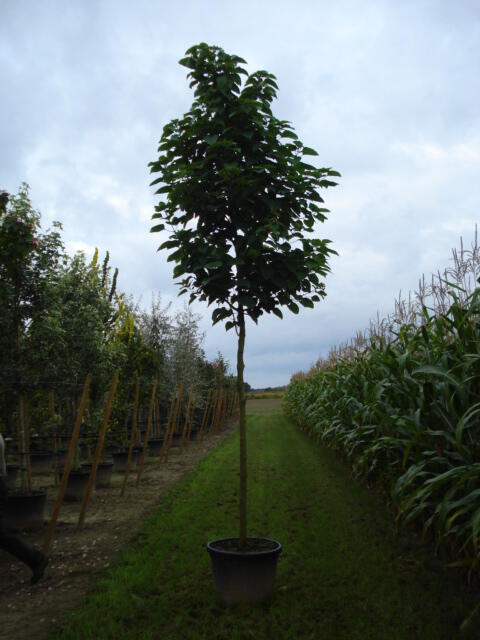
column 240, row 205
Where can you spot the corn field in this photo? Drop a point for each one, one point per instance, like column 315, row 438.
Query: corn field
column 402, row 402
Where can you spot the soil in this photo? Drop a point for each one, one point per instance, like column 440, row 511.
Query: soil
column 78, row 557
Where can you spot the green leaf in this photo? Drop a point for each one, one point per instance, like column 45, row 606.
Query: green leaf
column 277, row 312
column 308, row 151
column 211, row 139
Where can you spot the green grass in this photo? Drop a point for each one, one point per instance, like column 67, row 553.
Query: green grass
column 343, row 573
column 262, row 405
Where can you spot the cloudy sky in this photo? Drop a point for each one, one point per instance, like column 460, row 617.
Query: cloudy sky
column 387, row 92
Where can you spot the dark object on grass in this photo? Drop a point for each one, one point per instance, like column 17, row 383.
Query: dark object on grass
column 244, row 576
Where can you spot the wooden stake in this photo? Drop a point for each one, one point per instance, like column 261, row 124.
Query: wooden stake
column 213, row 424
column 68, row 466
column 147, row 434
column 205, row 414
column 187, row 415
column 190, row 423
column 51, row 410
column 157, row 418
column 169, row 422
column 98, row 451
column 132, row 437
column 26, row 440
column 175, row 417
column 211, row 416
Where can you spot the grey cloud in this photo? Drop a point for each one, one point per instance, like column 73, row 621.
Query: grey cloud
column 387, row 92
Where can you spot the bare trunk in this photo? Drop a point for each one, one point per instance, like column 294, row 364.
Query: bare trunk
column 243, row 435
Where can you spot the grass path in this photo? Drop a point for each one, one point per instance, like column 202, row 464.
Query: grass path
column 343, row 573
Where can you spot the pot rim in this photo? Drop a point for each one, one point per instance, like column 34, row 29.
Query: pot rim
column 19, row 493
column 243, row 554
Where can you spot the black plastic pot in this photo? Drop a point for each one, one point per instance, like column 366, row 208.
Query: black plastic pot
column 12, row 475
column 155, row 446
column 108, row 449
column 104, row 473
column 76, row 485
column 120, row 460
column 194, row 433
column 176, row 439
column 83, row 448
column 24, row 510
column 62, row 456
column 244, row 576
column 41, row 461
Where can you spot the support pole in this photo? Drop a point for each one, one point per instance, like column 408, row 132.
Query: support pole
column 174, row 420
column 68, row 465
column 187, row 416
column 26, row 440
column 190, row 423
column 166, row 436
column 51, row 410
column 132, row 437
column 98, row 451
column 205, row 414
column 147, row 434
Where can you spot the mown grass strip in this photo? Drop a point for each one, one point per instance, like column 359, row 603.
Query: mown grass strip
column 343, row 573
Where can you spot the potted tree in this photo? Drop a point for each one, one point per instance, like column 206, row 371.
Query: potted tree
column 24, row 267
column 241, row 206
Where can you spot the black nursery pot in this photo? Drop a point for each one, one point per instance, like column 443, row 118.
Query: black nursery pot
column 194, row 433
column 176, row 439
column 12, row 475
column 244, row 576
column 76, row 485
column 41, row 461
column 24, row 510
column 155, row 446
column 103, row 475
column 120, row 460
column 62, row 456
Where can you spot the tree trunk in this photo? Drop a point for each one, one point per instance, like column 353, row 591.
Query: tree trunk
column 243, row 435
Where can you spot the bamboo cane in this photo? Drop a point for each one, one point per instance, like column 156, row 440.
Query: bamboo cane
column 194, row 406
column 185, row 424
column 205, row 413
column 98, row 451
column 231, row 402
column 169, row 421
column 147, row 434
column 132, row 437
column 157, row 421
column 171, row 413
column 214, row 425
column 211, row 415
column 26, row 440
column 51, row 410
column 174, row 420
column 68, row 466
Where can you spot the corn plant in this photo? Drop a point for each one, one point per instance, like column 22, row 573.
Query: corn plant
column 403, row 405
